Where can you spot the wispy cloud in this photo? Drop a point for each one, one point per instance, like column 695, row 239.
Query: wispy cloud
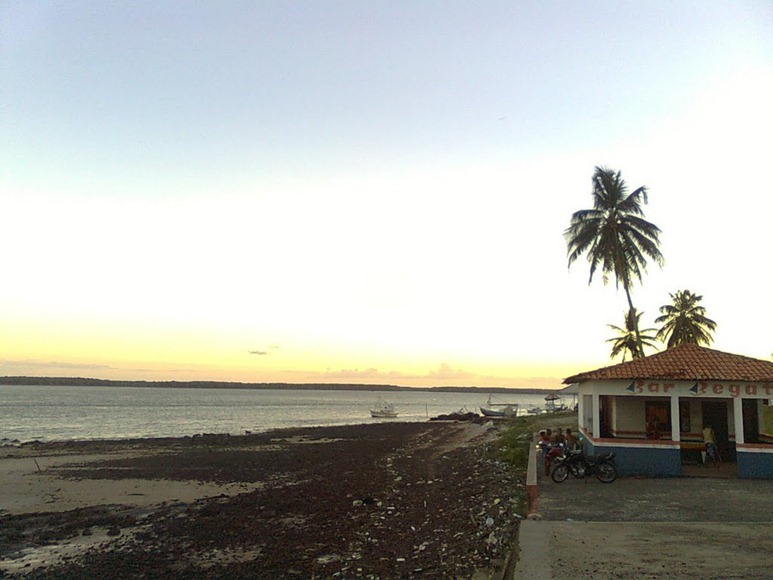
column 445, row 374
column 28, row 365
column 370, row 373
column 264, row 352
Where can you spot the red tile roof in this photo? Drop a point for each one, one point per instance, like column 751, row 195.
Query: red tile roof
column 685, row 362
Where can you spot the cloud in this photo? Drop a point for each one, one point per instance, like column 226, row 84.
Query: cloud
column 445, row 375
column 264, row 352
column 370, row 373
column 446, row 372
column 28, row 365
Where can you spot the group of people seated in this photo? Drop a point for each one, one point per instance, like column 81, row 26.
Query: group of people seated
column 554, row 444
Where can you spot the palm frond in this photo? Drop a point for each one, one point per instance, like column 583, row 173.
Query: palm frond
column 685, row 321
column 614, row 235
column 627, row 341
column 616, row 238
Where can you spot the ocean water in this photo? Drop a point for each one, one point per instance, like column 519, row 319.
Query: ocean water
column 57, row 413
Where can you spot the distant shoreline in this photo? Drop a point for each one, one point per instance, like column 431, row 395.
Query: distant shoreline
column 87, row 382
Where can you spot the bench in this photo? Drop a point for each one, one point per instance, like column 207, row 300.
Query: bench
column 693, row 450
column 692, row 446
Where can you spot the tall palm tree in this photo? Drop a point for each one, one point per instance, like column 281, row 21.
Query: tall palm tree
column 615, row 235
column 684, row 321
column 626, row 342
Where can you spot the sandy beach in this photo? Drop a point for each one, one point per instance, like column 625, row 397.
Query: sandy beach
column 369, row 501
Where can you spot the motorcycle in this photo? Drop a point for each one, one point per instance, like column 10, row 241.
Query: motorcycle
column 581, row 465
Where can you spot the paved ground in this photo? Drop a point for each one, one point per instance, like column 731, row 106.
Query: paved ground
column 649, row 528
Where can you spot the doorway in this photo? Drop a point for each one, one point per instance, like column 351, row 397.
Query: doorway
column 606, row 416
column 751, row 420
column 714, row 414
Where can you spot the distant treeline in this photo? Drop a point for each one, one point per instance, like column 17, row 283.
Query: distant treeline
column 83, row 382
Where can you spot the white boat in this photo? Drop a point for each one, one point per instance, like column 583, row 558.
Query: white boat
column 499, row 409
column 383, row 411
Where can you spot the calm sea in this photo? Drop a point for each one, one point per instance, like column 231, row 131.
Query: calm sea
column 55, row 413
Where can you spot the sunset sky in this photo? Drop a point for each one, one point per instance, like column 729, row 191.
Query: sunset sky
column 371, row 192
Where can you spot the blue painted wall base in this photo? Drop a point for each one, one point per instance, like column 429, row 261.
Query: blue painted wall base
column 755, row 465
column 666, row 462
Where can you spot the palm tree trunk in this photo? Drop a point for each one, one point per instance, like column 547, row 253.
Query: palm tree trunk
column 632, row 314
column 634, row 319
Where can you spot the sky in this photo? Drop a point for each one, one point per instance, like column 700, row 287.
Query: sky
column 370, row 192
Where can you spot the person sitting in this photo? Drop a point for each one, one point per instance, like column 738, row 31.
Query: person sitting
column 571, row 440
column 554, row 452
column 545, row 445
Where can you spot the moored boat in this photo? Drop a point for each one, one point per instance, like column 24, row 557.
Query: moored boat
column 383, row 410
column 499, row 409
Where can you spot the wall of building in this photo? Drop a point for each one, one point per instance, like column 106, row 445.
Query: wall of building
column 629, row 417
column 586, row 407
column 654, row 460
column 755, row 461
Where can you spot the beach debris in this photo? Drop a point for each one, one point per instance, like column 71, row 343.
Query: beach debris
column 458, row 416
column 441, row 509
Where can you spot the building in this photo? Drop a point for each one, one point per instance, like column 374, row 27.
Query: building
column 652, row 411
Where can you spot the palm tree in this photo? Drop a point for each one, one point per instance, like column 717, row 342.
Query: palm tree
column 615, row 235
column 627, row 342
column 684, row 321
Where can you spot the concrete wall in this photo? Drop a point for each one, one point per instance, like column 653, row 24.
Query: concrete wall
column 629, row 417
column 658, row 461
column 755, row 462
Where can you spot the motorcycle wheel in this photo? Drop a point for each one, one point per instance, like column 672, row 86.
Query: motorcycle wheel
column 559, row 473
column 606, row 473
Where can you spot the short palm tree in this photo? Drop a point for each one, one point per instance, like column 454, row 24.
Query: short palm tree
column 684, row 321
column 615, row 235
column 627, row 342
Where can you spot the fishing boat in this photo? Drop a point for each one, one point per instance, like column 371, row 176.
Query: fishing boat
column 499, row 409
column 383, row 410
